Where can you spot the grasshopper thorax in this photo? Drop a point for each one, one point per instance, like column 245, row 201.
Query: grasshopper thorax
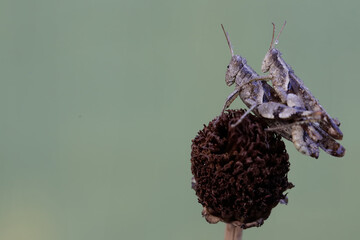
column 236, row 64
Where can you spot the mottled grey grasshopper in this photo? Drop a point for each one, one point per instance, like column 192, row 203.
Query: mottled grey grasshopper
column 261, row 99
column 292, row 90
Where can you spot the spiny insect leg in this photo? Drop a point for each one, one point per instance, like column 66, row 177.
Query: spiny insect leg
column 332, row 147
column 289, row 125
column 244, row 115
column 230, row 99
column 324, row 141
column 331, row 127
column 274, row 110
column 286, row 131
column 262, row 78
column 329, row 145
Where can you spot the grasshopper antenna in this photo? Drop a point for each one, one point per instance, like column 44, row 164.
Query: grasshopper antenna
column 228, row 40
column 277, row 38
column 272, row 39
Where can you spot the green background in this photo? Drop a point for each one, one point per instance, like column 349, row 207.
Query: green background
column 99, row 101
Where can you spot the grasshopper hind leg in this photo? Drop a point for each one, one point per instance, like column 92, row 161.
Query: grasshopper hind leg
column 329, row 145
column 303, row 143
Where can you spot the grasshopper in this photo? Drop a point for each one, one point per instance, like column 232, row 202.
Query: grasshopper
column 292, row 90
column 263, row 101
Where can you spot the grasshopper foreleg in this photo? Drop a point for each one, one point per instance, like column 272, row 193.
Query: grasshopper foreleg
column 244, row 115
column 230, row 99
column 262, row 78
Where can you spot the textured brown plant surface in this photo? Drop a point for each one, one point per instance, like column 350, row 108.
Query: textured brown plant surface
column 240, row 173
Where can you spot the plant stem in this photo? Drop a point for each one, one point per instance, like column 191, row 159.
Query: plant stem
column 232, row 232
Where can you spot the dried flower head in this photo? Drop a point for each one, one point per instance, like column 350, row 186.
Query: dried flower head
column 240, row 173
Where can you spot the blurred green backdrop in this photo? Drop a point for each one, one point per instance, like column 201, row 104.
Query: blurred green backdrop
column 99, row 102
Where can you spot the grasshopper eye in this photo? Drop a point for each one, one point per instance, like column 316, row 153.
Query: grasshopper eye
column 227, row 66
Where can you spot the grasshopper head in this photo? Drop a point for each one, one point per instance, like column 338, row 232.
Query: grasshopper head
column 237, row 62
column 273, row 54
column 269, row 59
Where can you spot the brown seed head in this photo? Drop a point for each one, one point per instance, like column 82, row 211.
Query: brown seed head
column 240, row 173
